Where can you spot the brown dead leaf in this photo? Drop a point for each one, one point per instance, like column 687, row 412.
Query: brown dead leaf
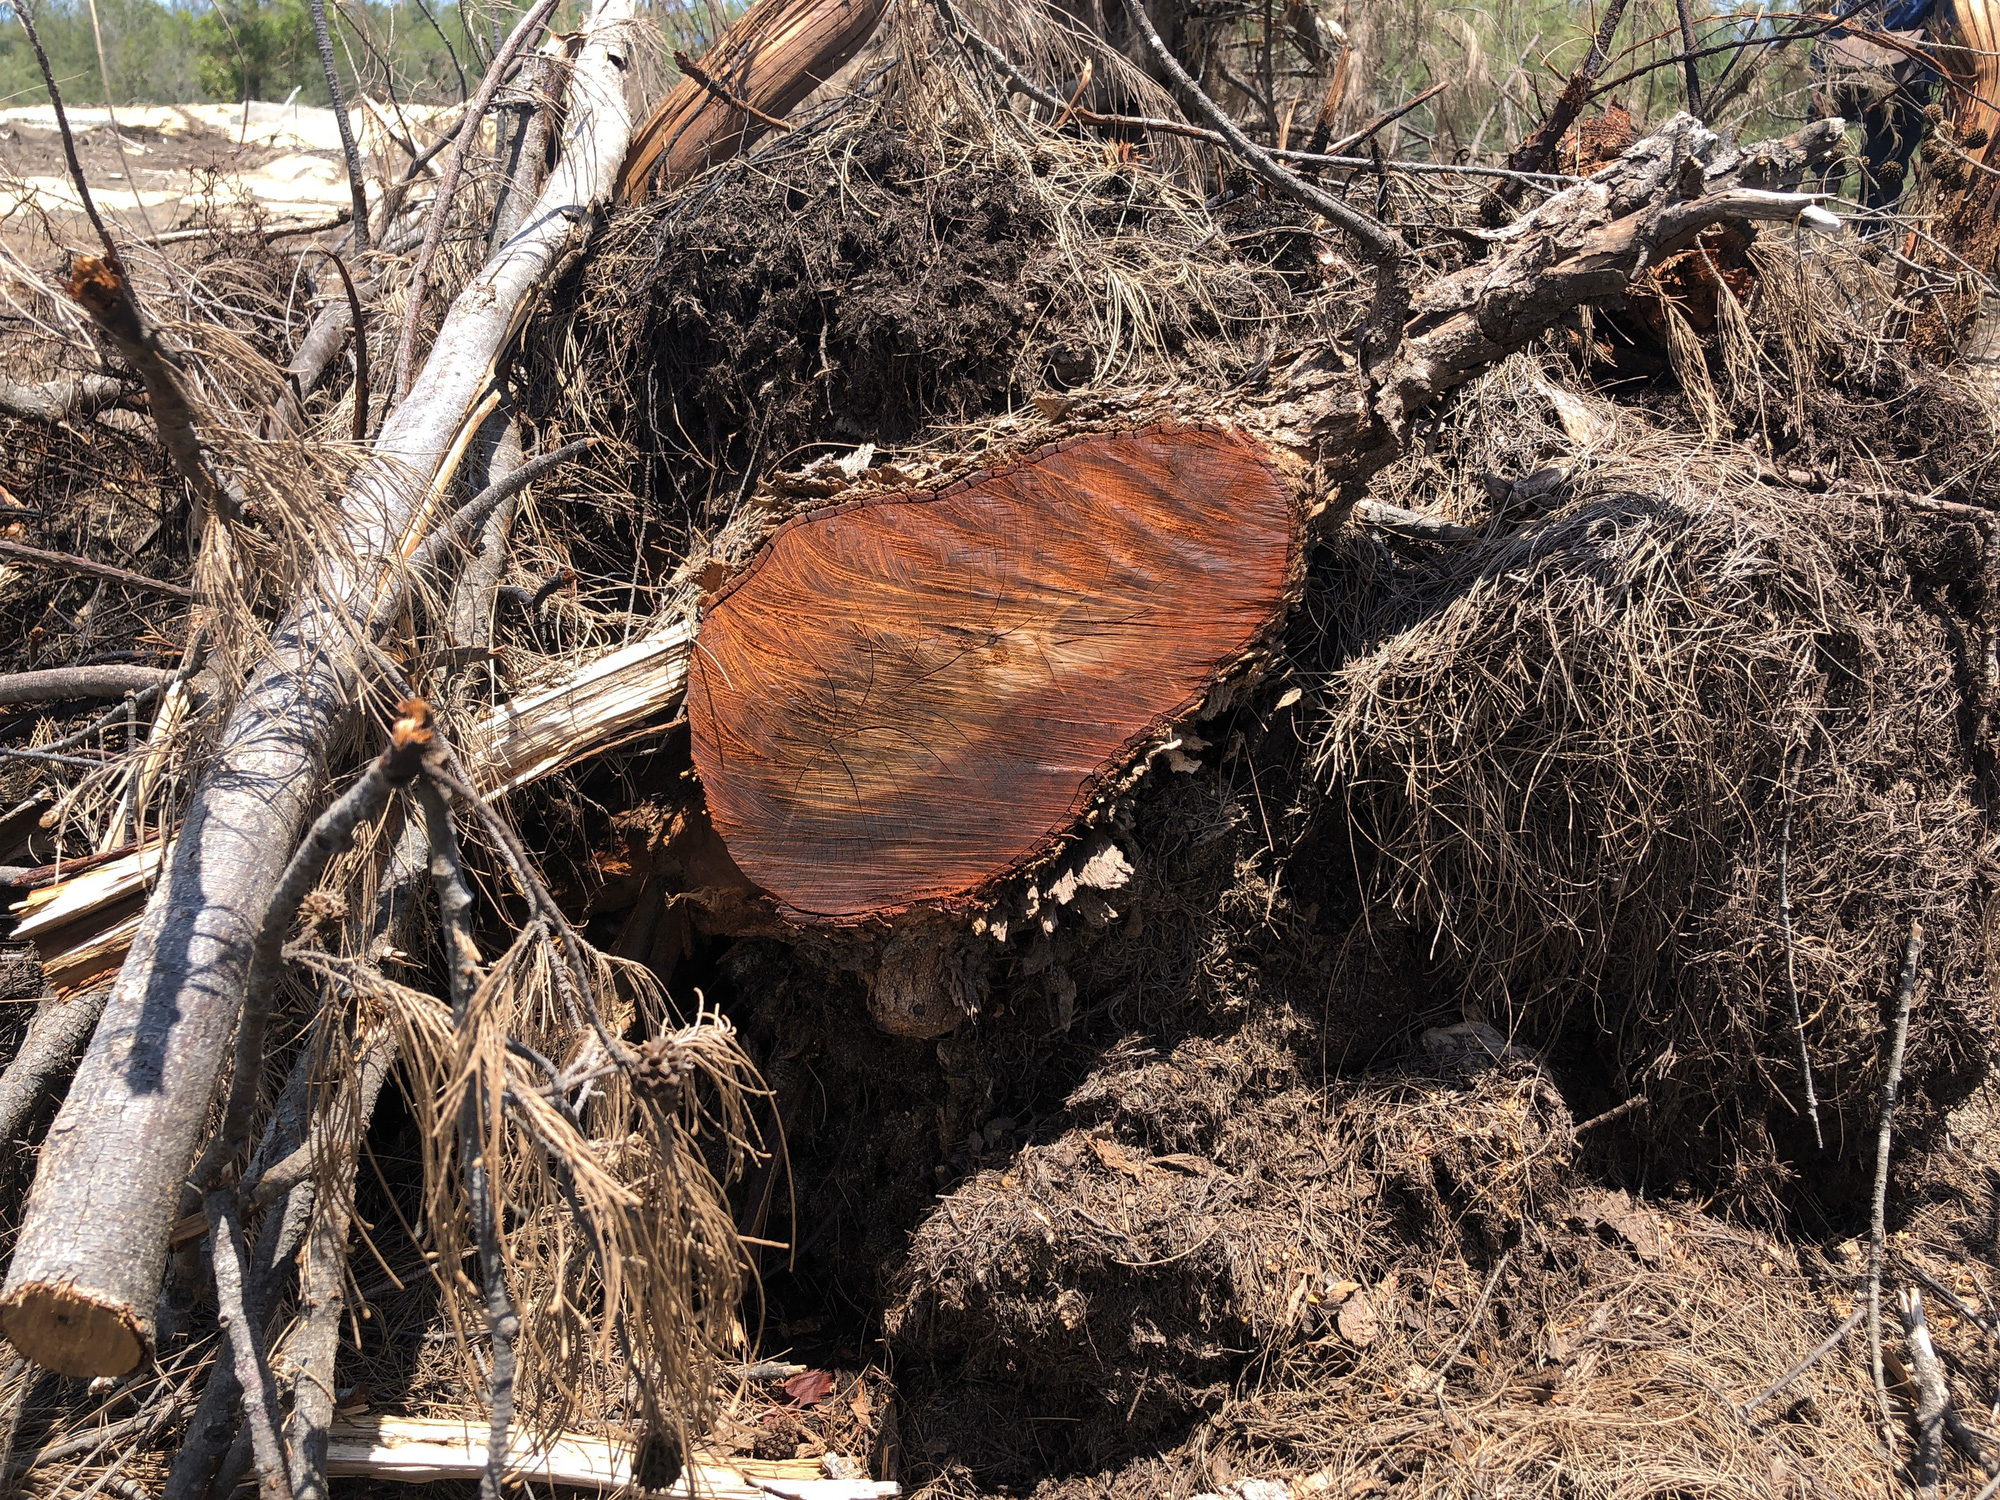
column 810, row 1387
column 1634, row 1223
column 1357, row 1321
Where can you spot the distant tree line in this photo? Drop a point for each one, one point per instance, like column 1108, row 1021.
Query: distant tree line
column 191, row 51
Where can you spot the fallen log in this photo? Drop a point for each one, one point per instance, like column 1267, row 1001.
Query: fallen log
column 80, row 1292
column 421, row 1450
column 764, row 65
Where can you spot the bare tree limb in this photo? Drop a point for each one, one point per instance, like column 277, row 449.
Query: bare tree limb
column 1892, row 1079
column 60, row 684
column 1819, row 1352
column 60, row 399
column 21, row 552
column 454, row 166
column 1692, row 72
column 348, row 149
column 1791, row 965
column 334, row 829
column 1383, row 247
column 1539, row 148
column 503, row 1324
column 246, row 1347
column 55, row 1036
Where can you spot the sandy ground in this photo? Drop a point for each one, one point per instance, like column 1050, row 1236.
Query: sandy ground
column 154, row 169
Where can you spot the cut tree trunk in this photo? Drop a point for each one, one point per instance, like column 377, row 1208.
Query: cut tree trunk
column 904, row 699
column 770, row 60
column 80, row 1293
column 900, row 702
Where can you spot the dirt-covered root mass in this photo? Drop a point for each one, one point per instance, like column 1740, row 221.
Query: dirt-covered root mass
column 1275, row 1169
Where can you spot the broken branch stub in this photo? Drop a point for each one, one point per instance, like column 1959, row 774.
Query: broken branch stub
column 903, row 700
column 85, row 1278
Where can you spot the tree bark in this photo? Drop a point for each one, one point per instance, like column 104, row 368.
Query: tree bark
column 779, row 52
column 79, row 1296
column 61, row 684
column 54, row 400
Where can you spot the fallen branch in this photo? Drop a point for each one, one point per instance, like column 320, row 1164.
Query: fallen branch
column 60, row 399
column 1534, row 153
column 454, row 167
column 420, row 1450
column 61, row 684
column 1892, row 1078
column 700, row 75
column 21, row 552
column 323, row 1279
column 472, row 514
column 1383, row 247
column 350, row 153
column 1791, row 966
column 1409, row 523
column 331, row 833
column 246, row 1347
column 1616, row 1112
column 60, row 1027
column 503, row 1324
column 101, row 289
column 1820, row 1351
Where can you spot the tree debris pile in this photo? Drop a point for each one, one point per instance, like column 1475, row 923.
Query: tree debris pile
column 1264, row 820
column 1669, row 755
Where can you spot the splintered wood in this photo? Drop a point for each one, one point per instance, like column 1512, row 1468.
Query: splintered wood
column 902, row 700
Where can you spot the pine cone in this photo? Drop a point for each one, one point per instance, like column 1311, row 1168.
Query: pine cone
column 1889, row 174
column 657, row 1065
column 1976, row 137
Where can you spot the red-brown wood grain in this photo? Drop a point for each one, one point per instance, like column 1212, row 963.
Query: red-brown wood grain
column 903, row 699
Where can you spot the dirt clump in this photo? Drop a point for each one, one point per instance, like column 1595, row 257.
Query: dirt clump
column 1299, row 1297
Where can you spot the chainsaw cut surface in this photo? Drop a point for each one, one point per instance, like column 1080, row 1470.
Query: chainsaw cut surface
column 904, row 699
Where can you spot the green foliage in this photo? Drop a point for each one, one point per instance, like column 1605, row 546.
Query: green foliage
column 257, row 49
column 187, row 51
column 149, row 50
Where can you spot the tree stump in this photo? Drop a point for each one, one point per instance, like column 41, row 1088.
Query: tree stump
column 904, row 700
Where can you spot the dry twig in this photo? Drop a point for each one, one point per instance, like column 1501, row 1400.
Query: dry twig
column 1892, row 1079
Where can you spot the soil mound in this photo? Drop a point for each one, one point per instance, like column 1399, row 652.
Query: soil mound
column 1661, row 778
column 1368, row 1251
